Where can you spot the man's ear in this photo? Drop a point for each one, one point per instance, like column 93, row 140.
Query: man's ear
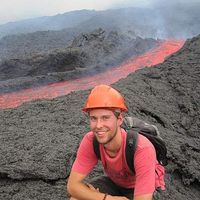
column 120, row 119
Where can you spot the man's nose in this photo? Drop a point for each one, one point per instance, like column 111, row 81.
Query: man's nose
column 98, row 123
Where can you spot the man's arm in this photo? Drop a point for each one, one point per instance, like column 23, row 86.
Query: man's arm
column 144, row 197
column 79, row 190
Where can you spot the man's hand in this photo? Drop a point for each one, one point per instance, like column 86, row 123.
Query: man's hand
column 109, row 197
column 92, row 187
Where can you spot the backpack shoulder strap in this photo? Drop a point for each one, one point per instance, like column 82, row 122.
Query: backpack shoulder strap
column 131, row 145
column 96, row 147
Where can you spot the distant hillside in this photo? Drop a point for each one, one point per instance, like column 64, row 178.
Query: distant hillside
column 57, row 22
column 165, row 20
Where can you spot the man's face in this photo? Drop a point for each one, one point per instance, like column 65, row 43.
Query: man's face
column 104, row 124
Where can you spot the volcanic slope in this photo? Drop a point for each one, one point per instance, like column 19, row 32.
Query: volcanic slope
column 88, row 53
column 39, row 139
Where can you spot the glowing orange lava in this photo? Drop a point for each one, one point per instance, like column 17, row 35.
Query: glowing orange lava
column 152, row 57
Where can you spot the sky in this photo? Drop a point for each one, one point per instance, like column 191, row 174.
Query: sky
column 15, row 10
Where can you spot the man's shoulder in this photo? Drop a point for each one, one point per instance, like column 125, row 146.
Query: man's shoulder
column 143, row 142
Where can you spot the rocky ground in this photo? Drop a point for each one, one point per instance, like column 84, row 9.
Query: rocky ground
column 39, row 139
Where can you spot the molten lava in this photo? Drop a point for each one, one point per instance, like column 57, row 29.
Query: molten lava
column 152, row 57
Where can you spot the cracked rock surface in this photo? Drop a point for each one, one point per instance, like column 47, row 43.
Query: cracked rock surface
column 38, row 140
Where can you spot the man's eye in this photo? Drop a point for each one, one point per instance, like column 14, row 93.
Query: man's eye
column 93, row 119
column 106, row 117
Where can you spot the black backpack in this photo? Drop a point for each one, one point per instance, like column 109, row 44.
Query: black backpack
column 133, row 127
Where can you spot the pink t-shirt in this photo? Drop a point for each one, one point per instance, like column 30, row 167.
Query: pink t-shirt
column 149, row 173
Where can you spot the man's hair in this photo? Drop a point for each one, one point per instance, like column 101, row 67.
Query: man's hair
column 115, row 111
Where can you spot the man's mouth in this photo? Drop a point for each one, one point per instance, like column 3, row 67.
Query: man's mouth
column 100, row 133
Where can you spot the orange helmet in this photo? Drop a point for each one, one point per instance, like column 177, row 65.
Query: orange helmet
column 104, row 96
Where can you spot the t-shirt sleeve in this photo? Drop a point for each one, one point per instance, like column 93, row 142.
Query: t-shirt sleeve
column 86, row 159
column 144, row 162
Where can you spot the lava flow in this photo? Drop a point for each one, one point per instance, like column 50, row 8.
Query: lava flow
column 152, row 57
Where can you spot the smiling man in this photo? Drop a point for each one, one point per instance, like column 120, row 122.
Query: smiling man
column 105, row 107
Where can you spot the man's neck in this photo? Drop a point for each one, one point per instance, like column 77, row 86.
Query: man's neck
column 113, row 147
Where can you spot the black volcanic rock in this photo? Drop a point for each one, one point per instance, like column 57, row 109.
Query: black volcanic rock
column 39, row 139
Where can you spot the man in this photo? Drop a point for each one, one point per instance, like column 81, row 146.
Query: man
column 105, row 107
